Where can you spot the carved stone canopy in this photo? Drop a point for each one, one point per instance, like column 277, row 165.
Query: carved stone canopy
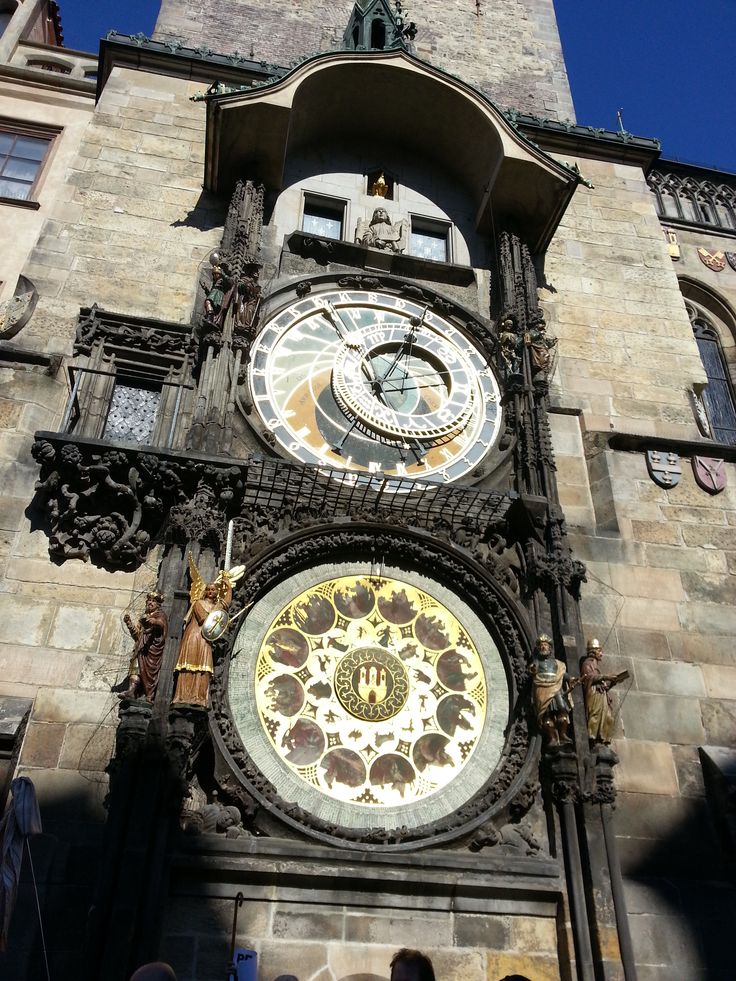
column 339, row 96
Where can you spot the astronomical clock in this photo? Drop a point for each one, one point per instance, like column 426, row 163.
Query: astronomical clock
column 371, row 699
column 375, row 382
column 374, row 700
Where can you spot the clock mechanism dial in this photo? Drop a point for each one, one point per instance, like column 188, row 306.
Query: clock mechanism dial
column 373, row 382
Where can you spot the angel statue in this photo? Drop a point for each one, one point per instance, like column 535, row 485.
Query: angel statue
column 206, row 620
column 381, row 232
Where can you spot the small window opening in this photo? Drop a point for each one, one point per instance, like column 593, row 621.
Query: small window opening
column 378, row 34
column 323, row 217
column 379, row 184
column 430, row 240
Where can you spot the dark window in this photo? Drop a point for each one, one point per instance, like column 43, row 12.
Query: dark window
column 430, row 240
column 51, row 66
column 323, row 217
column 378, row 34
column 21, row 160
column 718, row 395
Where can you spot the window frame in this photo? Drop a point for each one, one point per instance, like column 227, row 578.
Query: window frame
column 420, row 224
column 326, row 201
column 16, row 128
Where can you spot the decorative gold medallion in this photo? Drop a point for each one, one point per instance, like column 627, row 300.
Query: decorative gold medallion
column 372, row 684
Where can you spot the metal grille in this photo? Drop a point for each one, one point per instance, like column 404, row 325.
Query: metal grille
column 132, row 414
column 274, row 483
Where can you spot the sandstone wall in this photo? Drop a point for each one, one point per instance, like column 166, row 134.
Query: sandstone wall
column 510, row 49
column 313, row 940
column 661, row 563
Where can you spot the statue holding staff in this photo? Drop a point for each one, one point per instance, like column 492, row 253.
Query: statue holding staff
column 149, row 634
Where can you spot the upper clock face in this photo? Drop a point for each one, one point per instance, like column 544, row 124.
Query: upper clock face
column 370, row 381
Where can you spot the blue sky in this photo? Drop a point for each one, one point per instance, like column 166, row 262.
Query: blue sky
column 669, row 64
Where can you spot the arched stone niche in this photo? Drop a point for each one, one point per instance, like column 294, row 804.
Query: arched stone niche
column 392, row 98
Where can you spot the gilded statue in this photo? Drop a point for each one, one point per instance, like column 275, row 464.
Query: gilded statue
column 206, row 621
column 552, row 688
column 596, row 688
column 382, row 233
column 149, row 634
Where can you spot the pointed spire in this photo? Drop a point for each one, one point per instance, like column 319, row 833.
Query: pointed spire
column 377, row 25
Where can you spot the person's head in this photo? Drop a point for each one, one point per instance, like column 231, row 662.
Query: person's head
column 594, row 649
column 544, row 645
column 157, row 971
column 411, row 965
column 380, row 216
column 210, row 591
column 153, row 601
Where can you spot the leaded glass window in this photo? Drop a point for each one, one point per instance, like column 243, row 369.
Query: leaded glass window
column 429, row 240
column 132, row 414
column 718, row 394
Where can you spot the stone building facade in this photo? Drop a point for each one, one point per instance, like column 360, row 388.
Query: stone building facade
column 256, row 176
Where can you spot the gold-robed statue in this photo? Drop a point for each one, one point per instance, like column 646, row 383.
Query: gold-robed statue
column 552, row 692
column 206, row 621
column 596, row 688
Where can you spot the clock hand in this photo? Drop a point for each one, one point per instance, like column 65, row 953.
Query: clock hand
column 349, row 339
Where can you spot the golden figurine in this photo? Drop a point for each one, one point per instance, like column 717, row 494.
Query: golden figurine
column 596, row 688
column 552, row 687
column 206, row 621
column 379, row 188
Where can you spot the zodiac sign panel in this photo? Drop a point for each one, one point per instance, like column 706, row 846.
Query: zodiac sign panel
column 370, row 690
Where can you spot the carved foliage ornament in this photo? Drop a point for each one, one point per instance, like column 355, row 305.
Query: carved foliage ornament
column 111, row 505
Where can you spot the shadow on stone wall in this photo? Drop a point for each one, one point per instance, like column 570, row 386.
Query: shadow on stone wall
column 65, row 860
column 681, row 899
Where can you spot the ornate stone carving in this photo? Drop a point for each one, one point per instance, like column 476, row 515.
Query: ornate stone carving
column 214, row 818
column 683, row 196
column 419, row 552
column 110, row 505
column 144, row 335
column 381, row 233
column 554, row 567
column 232, row 286
column 187, row 729
column 511, row 839
column 560, row 771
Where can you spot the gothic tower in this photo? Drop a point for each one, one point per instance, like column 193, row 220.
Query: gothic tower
column 343, row 348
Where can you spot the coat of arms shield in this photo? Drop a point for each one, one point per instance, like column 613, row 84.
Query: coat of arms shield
column 731, row 256
column 709, row 473
column 713, row 260
column 664, row 468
